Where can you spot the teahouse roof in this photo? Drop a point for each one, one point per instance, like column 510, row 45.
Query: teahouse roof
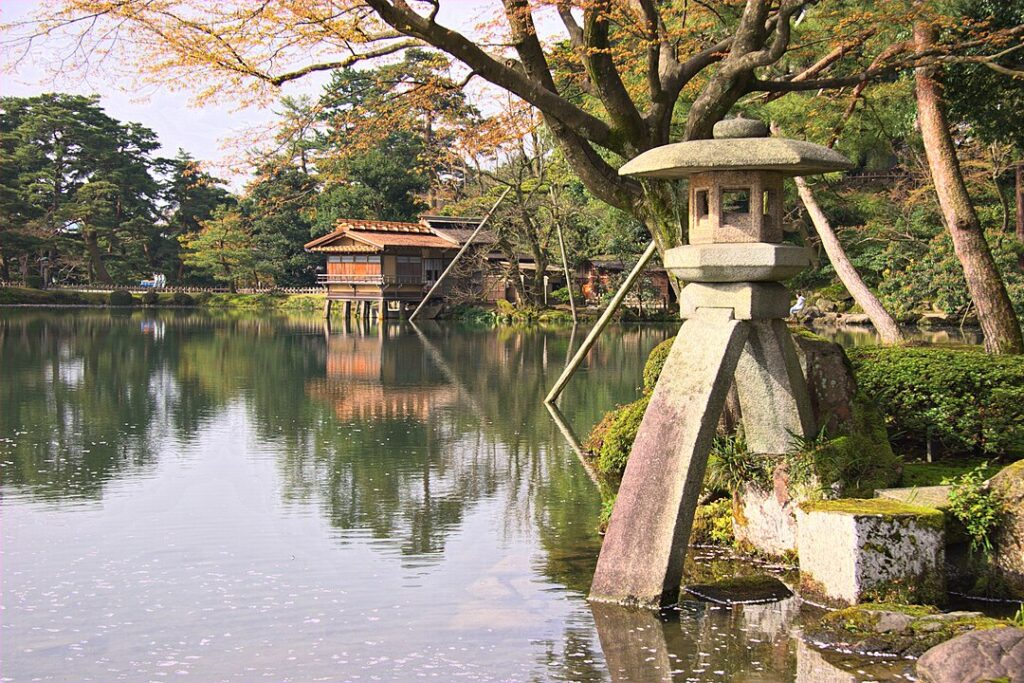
column 363, row 236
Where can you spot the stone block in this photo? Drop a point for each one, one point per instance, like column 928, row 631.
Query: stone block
column 748, row 300
column 750, row 262
column 925, row 496
column 855, row 550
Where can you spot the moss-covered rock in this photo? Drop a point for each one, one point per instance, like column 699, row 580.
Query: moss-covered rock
column 1008, row 541
column 741, row 590
column 893, row 629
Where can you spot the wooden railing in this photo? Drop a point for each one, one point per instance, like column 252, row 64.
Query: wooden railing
column 373, row 279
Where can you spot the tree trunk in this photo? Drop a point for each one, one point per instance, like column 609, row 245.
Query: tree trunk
column 984, row 283
column 887, row 328
column 96, row 257
column 5, row 268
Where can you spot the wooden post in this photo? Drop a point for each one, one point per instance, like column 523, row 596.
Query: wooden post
column 601, row 323
column 347, row 309
column 565, row 268
column 459, row 254
column 327, row 308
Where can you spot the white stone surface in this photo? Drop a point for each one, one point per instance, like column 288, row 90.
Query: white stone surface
column 739, row 262
column 748, row 300
column 768, row 519
column 844, row 555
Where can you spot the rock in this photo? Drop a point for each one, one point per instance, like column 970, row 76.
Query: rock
column 893, row 622
column 830, row 379
column 926, row 496
column 856, row 319
column 766, row 520
column 900, row 630
column 855, row 550
column 1008, row 541
column 826, row 305
column 936, row 319
column 741, row 590
column 995, row 654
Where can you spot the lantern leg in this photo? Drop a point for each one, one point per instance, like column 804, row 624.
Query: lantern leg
column 774, row 400
column 641, row 560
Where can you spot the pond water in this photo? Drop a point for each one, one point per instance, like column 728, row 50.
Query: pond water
column 185, row 497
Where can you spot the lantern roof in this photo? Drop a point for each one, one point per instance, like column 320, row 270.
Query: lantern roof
column 738, row 145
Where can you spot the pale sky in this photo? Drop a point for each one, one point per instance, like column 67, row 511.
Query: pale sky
column 202, row 131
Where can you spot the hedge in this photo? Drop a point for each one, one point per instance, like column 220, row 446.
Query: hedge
column 969, row 402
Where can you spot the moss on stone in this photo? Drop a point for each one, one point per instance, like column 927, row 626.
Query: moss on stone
column 877, row 628
column 874, row 506
column 807, row 334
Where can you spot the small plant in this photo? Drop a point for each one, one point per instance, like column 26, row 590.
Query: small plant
column 1018, row 618
column 731, row 465
column 976, row 506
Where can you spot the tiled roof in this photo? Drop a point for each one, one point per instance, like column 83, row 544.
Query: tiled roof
column 354, row 224
column 387, row 239
column 377, row 235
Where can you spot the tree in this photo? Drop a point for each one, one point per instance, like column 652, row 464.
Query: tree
column 191, row 196
column 79, row 181
column 223, row 249
column 995, row 312
column 613, row 89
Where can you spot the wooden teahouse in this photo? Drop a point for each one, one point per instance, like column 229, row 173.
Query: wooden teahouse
column 386, row 267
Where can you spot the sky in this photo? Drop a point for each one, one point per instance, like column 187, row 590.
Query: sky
column 206, row 132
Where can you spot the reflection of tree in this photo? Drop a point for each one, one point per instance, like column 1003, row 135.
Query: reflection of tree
column 395, row 434
column 77, row 402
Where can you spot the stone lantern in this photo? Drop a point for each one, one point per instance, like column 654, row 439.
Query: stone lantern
column 733, row 307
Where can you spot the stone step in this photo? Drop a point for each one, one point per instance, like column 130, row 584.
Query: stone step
column 925, row 496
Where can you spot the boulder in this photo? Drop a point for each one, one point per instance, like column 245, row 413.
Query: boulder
column 830, row 380
column 995, row 654
column 1008, row 541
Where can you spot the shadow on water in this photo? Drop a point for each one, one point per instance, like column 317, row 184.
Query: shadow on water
column 381, row 501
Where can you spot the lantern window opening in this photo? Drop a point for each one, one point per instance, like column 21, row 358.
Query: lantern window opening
column 735, row 200
column 701, row 203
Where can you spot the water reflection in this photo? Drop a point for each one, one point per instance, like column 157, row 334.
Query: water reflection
column 241, row 497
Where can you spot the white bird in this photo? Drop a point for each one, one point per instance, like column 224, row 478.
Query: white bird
column 799, row 305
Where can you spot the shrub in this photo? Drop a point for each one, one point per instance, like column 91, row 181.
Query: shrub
column 618, row 440
column 976, row 506
column 182, row 299
column 969, row 401
column 712, row 524
column 121, row 297
column 655, row 363
column 150, row 297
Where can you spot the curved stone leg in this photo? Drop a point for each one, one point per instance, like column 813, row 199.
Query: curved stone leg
column 641, row 559
column 774, row 401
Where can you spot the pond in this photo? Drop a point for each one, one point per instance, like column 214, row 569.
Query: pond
column 200, row 498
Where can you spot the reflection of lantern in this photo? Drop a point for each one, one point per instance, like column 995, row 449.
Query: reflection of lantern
column 733, row 308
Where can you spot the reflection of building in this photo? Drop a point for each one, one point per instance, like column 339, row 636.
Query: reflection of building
column 602, row 274
column 368, row 379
